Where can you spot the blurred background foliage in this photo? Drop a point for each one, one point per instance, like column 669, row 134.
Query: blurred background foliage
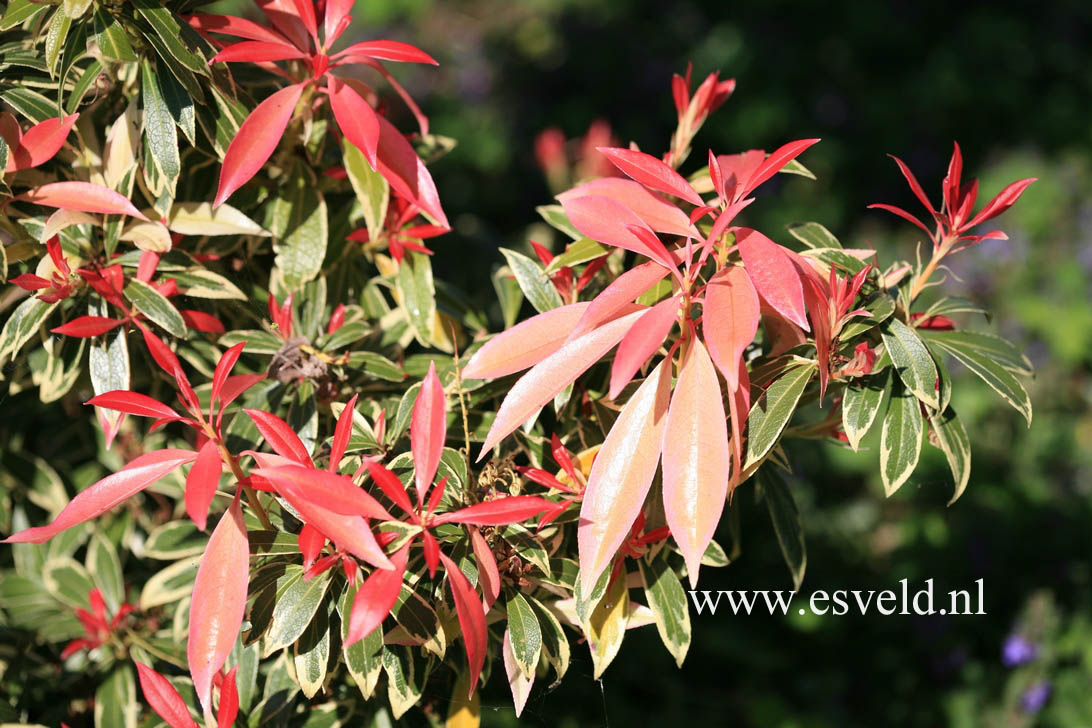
column 1011, row 82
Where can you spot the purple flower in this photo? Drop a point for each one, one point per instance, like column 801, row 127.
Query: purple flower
column 1035, row 697
column 1018, row 651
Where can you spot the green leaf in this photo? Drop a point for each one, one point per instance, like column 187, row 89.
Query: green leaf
column 180, row 104
column 795, row 167
column 20, row 11
column 950, row 436
column 525, row 633
column 786, row 522
column 296, row 607
column 555, row 217
column 300, row 228
column 418, row 294
column 68, row 581
column 159, row 125
column 111, row 38
column 667, row 600
column 311, row 653
column 773, row 410
column 179, row 39
column 814, row 235
column 108, row 361
column 912, row 361
column 363, row 659
column 534, row 283
column 63, row 368
column 115, row 699
column 880, row 307
column 59, row 25
column 30, row 104
column 199, row 218
column 555, row 645
column 86, row 80
column 200, row 283
column 403, row 684
column 581, row 251
column 837, row 258
column 419, row 620
column 952, row 305
column 900, row 439
column 372, row 189
column 508, row 294
column 171, row 584
column 176, row 540
column 75, row 8
column 257, row 341
column 863, row 400
column 1000, row 379
column 155, row 306
column 105, row 567
column 985, row 346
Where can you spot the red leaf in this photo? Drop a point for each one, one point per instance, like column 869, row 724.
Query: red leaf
column 342, row 432
column 428, row 430
column 551, row 375
column 471, row 619
column 915, row 187
column 285, row 17
column 223, row 369
column 695, row 458
column 778, row 159
column 238, row 27
column 284, row 441
column 355, row 117
column 389, row 483
column 730, row 319
column 82, row 197
column 163, row 698
column 775, row 277
column 229, row 700
column 641, row 342
column 234, row 386
column 310, row 542
column 333, row 492
column 658, row 214
column 40, row 143
column 219, row 600
column 651, row 172
column 201, row 321
column 386, row 50
column 488, row 574
column 305, row 11
column 1004, row 200
column 336, row 18
column 952, row 180
column 202, row 482
column 108, row 492
column 619, row 295
column 432, row 552
column 406, row 172
column 258, row 136
column 525, row 344
column 621, row 475
column 376, row 598
column 132, row 403
column 256, row 51
column 904, row 215
column 499, row 512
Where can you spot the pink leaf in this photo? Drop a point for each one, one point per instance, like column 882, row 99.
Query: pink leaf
column 219, row 600
column 132, row 403
column 730, row 319
column 406, row 172
column 84, row 327
column 525, row 344
column 736, row 171
column 621, row 475
column 428, row 430
column 342, row 432
column 40, row 143
column 337, row 17
column 330, row 491
column 659, row 215
column 256, row 139
column 488, row 574
column 471, row 619
column 387, row 50
column 81, row 197
column 499, row 512
column 547, row 378
column 229, row 700
column 1004, row 200
column 641, row 342
column 355, row 117
column 778, row 159
column 108, row 492
column 280, row 436
column 163, row 698
column 238, row 27
column 376, row 598
column 775, row 277
column 619, row 295
column 651, row 172
column 695, row 458
column 203, row 480
column 389, row 483
column 223, row 370
column 256, row 51
column 311, row 541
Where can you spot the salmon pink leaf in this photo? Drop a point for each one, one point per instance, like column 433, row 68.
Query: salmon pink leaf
column 525, row 344
column 428, row 430
column 656, row 213
column 641, row 342
column 619, row 295
column 202, row 482
column 81, row 197
column 651, row 172
column 774, row 275
column 40, row 143
column 730, row 320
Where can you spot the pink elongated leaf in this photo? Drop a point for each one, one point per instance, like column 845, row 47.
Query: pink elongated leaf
column 342, row 432
column 223, row 370
column 904, row 215
column 736, row 170
column 389, row 483
column 229, row 700
column 499, row 512
column 617, row 296
column 258, row 136
column 488, row 573
column 525, row 344
column 355, row 117
column 658, row 214
column 40, row 143
column 235, row 386
column 332, row 492
column 609, row 221
column 163, row 698
column 915, row 186
column 428, row 430
column 376, row 598
column 202, row 482
column 387, row 50
column 133, row 403
column 621, row 475
column 641, row 342
column 952, row 179
column 695, row 458
column 776, row 279
column 257, row 51
column 305, row 11
column 81, row 197
column 651, row 172
column 336, row 18
column 280, row 437
column 730, row 320
column 285, row 17
column 519, row 683
column 1004, row 200
column 238, row 27
column 350, row 533
column 406, row 172
column 551, row 375
column 778, row 159
column 311, row 541
column 219, row 600
column 84, row 327
column 471, row 619
column 108, row 492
